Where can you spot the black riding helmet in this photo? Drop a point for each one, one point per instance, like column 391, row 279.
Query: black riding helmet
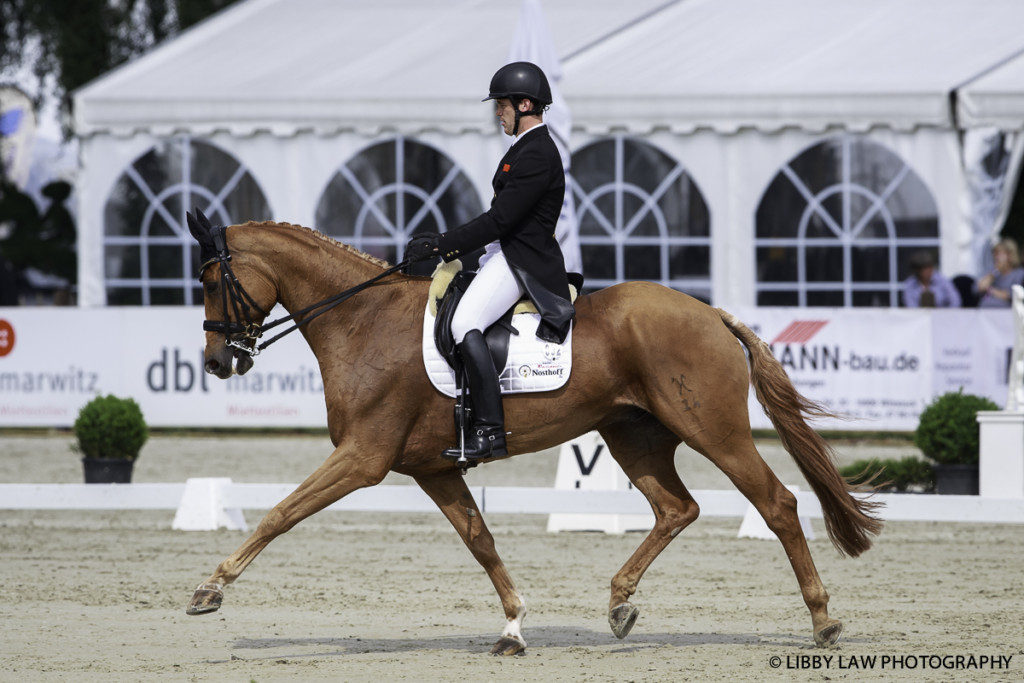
column 518, row 81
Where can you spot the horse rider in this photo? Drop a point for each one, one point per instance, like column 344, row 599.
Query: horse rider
column 522, row 255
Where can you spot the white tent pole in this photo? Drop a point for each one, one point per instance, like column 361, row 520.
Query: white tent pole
column 533, row 43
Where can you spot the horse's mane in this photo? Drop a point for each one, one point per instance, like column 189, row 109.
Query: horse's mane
column 320, row 236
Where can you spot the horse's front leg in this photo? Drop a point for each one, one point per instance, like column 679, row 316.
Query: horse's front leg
column 451, row 494
column 348, row 468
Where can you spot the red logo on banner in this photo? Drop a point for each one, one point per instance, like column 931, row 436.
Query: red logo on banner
column 800, row 331
column 6, row 337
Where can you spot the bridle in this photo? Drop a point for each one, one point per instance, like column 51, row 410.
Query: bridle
column 243, row 332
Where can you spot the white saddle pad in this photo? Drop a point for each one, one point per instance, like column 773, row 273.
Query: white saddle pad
column 533, row 364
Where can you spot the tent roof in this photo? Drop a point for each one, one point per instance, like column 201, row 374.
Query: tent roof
column 805, row 63
column 286, row 65
column 409, row 65
column 996, row 98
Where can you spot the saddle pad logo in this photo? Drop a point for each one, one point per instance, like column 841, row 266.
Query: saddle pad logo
column 530, row 371
column 552, row 352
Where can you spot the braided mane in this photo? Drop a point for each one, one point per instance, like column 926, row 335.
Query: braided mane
column 320, row 236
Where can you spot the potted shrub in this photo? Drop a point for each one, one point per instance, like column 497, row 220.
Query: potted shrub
column 110, row 433
column 906, row 474
column 947, row 433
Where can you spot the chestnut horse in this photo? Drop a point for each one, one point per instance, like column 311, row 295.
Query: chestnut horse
column 651, row 367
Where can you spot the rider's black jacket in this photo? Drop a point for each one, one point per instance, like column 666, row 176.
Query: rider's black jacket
column 529, row 186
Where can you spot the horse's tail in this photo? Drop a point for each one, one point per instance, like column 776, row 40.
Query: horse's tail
column 848, row 519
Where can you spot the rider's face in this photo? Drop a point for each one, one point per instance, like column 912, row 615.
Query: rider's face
column 504, row 110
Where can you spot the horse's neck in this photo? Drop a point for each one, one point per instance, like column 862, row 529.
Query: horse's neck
column 315, row 274
column 308, row 270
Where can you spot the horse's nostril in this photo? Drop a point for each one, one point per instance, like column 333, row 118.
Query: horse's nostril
column 212, row 366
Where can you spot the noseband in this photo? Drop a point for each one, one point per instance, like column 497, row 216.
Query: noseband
column 243, row 332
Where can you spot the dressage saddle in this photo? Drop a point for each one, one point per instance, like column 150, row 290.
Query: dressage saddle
column 497, row 336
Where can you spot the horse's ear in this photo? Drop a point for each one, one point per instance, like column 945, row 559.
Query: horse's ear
column 207, row 249
column 203, row 220
column 195, row 228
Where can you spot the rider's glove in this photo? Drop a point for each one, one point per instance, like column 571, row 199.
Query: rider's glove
column 422, row 248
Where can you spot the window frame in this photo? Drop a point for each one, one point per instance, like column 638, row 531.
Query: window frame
column 846, row 236
column 143, row 240
column 400, row 233
column 619, row 228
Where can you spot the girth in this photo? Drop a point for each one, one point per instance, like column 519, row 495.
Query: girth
column 497, row 335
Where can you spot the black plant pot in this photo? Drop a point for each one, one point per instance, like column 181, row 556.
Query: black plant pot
column 107, row 470
column 959, row 480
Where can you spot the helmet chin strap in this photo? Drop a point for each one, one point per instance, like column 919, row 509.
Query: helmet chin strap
column 519, row 114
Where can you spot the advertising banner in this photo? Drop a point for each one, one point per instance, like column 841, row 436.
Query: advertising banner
column 877, row 367
column 54, row 360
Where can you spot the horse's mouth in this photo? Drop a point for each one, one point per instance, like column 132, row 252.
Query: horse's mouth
column 218, row 369
column 226, row 361
column 223, row 368
column 243, row 363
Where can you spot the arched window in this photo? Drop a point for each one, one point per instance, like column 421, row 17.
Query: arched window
column 391, row 191
column 837, row 226
column 641, row 217
column 149, row 255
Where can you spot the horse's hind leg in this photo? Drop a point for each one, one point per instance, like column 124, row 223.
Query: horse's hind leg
column 777, row 505
column 451, row 494
column 738, row 458
column 645, row 450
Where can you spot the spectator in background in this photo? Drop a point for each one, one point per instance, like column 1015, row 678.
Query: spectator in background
column 994, row 288
column 927, row 287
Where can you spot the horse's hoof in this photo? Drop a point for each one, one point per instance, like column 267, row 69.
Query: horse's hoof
column 829, row 635
column 207, row 598
column 622, row 618
column 507, row 646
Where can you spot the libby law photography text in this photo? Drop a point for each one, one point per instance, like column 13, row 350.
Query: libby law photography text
column 892, row 662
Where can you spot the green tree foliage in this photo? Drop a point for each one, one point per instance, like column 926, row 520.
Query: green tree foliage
column 46, row 240
column 948, row 428
column 79, row 40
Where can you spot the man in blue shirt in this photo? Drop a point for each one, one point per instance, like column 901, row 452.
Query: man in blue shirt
column 927, row 287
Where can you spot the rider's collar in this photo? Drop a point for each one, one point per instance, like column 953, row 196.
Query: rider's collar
column 527, row 132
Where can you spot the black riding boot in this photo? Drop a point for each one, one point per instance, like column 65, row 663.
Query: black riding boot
column 487, row 435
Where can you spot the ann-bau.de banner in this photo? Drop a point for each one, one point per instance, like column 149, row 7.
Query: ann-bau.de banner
column 878, row 367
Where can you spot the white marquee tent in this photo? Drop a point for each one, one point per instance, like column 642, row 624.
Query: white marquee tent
column 788, row 152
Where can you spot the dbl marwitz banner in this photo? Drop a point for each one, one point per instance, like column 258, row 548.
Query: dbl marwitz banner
column 54, row 360
column 877, row 367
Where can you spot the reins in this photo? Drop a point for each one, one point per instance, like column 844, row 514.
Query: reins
column 232, row 291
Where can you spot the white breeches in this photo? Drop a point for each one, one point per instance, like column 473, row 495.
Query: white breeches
column 491, row 293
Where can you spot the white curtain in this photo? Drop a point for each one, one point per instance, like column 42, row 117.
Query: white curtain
column 992, row 164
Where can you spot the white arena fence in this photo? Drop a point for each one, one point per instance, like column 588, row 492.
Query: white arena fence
column 218, row 502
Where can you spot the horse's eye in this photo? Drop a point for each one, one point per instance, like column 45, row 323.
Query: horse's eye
column 210, row 287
